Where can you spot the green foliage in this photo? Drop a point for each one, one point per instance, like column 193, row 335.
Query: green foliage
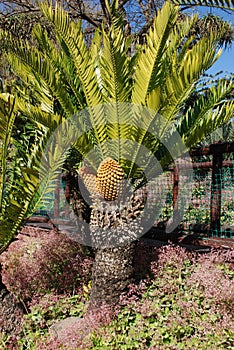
column 227, row 4
column 170, row 316
column 67, row 76
column 42, row 316
column 51, row 308
column 21, row 187
column 61, row 75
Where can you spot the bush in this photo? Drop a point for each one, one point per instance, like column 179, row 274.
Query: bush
column 40, row 262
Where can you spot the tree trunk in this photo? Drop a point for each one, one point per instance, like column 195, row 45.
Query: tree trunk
column 115, row 228
column 10, row 311
column 112, row 273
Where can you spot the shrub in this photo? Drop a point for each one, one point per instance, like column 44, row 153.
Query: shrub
column 40, row 262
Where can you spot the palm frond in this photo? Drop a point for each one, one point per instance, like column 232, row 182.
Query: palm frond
column 223, row 4
column 178, row 44
column 180, row 83
column 211, row 122
column 115, row 72
column 39, row 69
column 7, row 118
column 114, row 66
column 150, row 67
column 71, row 39
column 207, row 113
column 49, row 120
column 60, row 59
column 23, row 186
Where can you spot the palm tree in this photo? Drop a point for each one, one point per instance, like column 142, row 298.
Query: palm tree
column 125, row 108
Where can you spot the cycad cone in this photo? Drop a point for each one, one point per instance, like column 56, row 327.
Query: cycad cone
column 109, row 179
column 88, row 179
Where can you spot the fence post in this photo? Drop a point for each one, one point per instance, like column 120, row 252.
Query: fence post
column 216, row 192
column 175, row 191
column 67, row 195
column 56, row 199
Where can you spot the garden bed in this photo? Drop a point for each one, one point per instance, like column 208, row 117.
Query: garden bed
column 181, row 299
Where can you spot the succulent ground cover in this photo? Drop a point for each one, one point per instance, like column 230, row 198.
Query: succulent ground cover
column 181, row 299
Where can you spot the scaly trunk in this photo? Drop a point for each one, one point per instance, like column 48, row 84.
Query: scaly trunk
column 115, row 229
column 112, row 273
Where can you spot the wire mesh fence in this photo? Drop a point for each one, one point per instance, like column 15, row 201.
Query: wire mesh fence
column 210, row 210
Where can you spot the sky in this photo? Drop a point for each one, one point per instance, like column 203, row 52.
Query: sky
column 225, row 63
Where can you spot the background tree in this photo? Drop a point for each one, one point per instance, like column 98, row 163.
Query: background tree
column 138, row 15
column 20, row 16
column 69, row 75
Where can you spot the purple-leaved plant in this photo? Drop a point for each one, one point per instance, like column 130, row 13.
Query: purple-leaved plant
column 39, row 262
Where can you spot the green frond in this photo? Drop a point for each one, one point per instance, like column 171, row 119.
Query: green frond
column 114, row 74
column 60, row 59
column 207, row 114
column 149, row 79
column 29, row 63
column 180, row 83
column 24, row 185
column 114, row 66
column 178, row 43
column 180, row 40
column 150, row 67
column 224, row 4
column 71, row 39
column 211, row 121
column 49, row 120
column 7, row 118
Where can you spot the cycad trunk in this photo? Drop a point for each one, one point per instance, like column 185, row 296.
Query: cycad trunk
column 114, row 232
column 114, row 228
column 112, row 273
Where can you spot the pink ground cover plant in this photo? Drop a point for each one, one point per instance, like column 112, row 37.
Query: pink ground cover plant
column 39, row 262
column 181, row 300
column 186, row 305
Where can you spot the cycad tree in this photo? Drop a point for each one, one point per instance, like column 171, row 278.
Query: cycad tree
column 21, row 189
column 127, row 106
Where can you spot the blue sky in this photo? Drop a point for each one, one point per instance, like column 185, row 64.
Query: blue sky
column 225, row 63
